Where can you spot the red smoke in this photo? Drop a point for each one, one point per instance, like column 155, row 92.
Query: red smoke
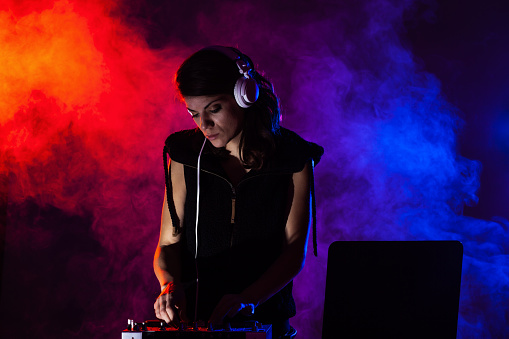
column 83, row 99
column 85, row 107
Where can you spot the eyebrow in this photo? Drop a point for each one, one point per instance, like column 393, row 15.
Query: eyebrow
column 210, row 103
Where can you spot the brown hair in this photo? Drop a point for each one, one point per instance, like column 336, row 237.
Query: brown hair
column 210, row 72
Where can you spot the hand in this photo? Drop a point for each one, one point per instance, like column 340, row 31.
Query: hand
column 229, row 306
column 170, row 305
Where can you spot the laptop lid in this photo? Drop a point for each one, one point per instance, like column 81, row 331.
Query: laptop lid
column 393, row 289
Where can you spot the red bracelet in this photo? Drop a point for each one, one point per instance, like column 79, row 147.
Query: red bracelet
column 168, row 289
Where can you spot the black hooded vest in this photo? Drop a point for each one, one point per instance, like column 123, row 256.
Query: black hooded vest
column 241, row 229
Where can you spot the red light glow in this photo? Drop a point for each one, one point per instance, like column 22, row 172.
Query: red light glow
column 83, row 99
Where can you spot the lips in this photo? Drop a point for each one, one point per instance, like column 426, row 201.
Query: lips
column 212, row 136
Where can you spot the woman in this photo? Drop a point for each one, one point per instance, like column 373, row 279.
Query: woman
column 235, row 219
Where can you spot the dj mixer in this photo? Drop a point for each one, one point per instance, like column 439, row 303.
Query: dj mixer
column 159, row 329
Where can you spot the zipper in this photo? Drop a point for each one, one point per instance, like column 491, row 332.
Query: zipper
column 233, row 199
column 232, row 220
column 234, row 195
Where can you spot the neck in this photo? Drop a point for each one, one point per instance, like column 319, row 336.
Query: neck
column 233, row 145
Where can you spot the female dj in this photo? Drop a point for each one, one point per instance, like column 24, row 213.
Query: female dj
column 236, row 214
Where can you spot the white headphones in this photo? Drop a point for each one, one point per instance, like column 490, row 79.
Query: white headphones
column 246, row 90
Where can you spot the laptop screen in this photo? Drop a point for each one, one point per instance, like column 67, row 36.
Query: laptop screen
column 394, row 289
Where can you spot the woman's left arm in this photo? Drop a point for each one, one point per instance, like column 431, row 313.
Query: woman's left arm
column 287, row 265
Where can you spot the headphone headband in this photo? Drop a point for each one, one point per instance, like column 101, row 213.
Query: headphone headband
column 246, row 89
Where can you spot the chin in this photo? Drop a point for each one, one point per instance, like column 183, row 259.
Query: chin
column 218, row 143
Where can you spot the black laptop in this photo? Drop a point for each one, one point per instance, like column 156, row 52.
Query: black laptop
column 392, row 289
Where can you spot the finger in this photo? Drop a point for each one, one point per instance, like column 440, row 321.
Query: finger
column 167, row 309
column 218, row 315
column 247, row 310
column 234, row 309
column 162, row 310
column 183, row 312
column 172, row 315
column 156, row 310
column 225, row 308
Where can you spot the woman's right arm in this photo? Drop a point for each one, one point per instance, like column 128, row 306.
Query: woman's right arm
column 167, row 264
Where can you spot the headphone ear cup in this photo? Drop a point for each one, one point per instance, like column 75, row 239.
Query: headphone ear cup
column 246, row 92
column 251, row 90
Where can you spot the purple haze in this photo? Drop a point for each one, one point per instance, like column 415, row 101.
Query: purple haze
column 347, row 81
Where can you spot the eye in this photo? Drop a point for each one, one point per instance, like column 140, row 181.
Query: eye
column 215, row 109
column 194, row 115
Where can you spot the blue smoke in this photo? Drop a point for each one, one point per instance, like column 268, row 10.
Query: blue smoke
column 391, row 170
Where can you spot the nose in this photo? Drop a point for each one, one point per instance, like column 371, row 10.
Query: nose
column 206, row 121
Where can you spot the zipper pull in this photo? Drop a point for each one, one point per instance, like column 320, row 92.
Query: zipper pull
column 233, row 211
column 232, row 220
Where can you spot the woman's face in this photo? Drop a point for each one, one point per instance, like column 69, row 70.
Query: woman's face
column 219, row 117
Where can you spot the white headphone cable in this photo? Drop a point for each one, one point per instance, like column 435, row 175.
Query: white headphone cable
column 198, row 166
column 198, row 198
